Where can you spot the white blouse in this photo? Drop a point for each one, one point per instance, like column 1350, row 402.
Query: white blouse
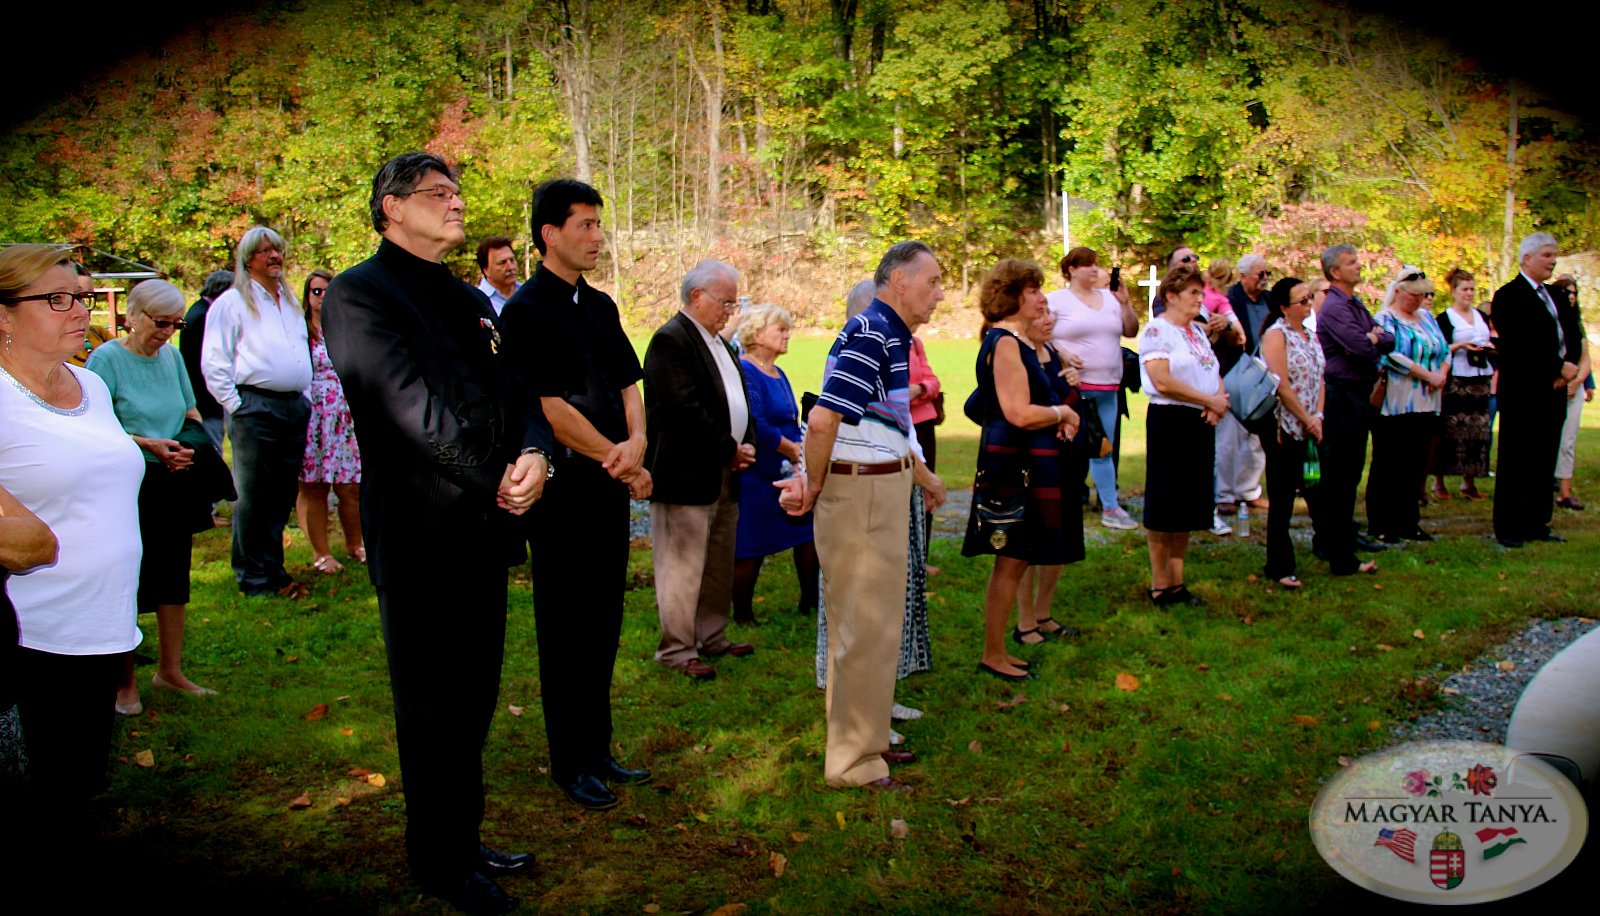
column 1188, row 355
column 80, row 473
column 1473, row 330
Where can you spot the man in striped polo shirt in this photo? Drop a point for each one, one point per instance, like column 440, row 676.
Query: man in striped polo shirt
column 857, row 473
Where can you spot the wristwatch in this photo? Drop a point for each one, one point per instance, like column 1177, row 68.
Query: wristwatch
column 549, row 465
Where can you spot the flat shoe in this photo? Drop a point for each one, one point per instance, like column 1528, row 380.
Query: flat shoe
column 699, row 670
column 904, row 713
column 996, row 672
column 132, row 709
column 898, row 757
column 156, row 680
column 1291, row 582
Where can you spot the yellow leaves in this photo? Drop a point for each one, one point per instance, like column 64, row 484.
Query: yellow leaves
column 798, row 837
column 377, row 781
column 1374, row 725
column 347, row 732
column 1307, row 721
column 1126, row 681
column 779, row 863
column 838, row 818
column 145, row 759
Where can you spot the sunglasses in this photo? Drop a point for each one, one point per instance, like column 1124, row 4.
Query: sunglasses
column 163, row 323
column 1304, row 301
column 1414, row 275
column 1189, row 259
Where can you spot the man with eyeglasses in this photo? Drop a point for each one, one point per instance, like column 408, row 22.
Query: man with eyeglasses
column 1540, row 347
column 257, row 364
column 451, row 450
column 700, row 436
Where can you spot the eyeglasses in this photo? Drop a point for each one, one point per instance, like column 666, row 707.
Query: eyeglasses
column 58, row 302
column 1264, row 274
column 1189, row 259
column 163, row 323
column 443, row 193
column 1304, row 301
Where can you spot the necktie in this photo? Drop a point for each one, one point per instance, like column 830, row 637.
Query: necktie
column 1561, row 338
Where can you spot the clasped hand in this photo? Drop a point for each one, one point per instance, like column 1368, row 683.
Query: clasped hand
column 172, row 453
column 522, row 484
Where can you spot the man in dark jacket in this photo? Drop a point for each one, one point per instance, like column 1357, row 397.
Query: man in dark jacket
column 450, row 451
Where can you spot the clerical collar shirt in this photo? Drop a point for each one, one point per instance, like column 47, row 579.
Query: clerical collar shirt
column 867, row 382
column 268, row 348
column 495, row 298
column 732, row 381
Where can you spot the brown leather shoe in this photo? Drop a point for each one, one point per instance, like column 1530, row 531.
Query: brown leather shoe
column 1260, row 502
column 896, row 756
column 698, row 670
column 735, row 649
column 886, row 784
column 1227, row 508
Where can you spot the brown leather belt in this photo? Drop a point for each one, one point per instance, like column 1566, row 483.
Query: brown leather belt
column 867, row 470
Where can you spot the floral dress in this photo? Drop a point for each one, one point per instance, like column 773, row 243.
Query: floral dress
column 1306, row 362
column 332, row 455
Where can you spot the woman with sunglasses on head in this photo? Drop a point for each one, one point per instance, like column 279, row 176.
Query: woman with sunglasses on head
column 332, row 458
column 1412, row 377
column 1296, row 359
column 151, row 395
column 64, row 456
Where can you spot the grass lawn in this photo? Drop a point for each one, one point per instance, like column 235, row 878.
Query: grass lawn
column 1188, row 793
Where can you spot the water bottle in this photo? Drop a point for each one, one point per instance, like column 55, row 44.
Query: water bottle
column 1312, row 472
column 1244, row 519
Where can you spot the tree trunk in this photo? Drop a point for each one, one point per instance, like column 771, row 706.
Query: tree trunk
column 1509, row 227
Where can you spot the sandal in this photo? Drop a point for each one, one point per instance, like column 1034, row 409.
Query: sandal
column 1060, row 632
column 360, row 553
column 1177, row 594
column 327, row 565
column 1020, row 637
column 1441, row 494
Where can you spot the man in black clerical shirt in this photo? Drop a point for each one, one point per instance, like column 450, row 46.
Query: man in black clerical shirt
column 451, row 449
column 565, row 338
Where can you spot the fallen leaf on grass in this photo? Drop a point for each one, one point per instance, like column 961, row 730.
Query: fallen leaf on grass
column 146, row 759
column 514, row 709
column 1126, row 681
column 1507, row 665
column 898, row 829
column 730, row 909
column 1063, row 708
column 1502, row 576
column 303, row 800
column 136, row 734
column 341, row 699
column 1346, row 762
column 652, row 908
column 779, row 863
column 1451, row 691
column 838, row 817
column 1384, row 647
column 1377, row 586
column 1374, row 725
column 1012, row 703
column 1252, row 578
column 1202, row 667
column 358, row 772
column 743, row 847
column 958, row 802
column 1177, row 873
column 377, row 781
column 1307, row 721
column 975, row 747
column 702, row 818
column 1418, row 634
column 347, row 732
column 1066, row 747
column 292, row 659
column 798, row 837
column 317, row 712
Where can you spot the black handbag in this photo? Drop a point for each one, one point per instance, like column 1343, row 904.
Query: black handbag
column 999, row 510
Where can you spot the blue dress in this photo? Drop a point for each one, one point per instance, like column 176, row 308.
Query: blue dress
column 764, row 528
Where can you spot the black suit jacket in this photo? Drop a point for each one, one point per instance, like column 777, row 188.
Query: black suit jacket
column 686, row 416
column 1530, row 362
column 436, row 414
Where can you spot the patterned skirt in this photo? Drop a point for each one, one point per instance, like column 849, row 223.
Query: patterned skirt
column 1463, row 446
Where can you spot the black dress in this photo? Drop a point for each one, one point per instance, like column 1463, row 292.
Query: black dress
column 1014, row 461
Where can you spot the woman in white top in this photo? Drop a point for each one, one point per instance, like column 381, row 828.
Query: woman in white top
column 1184, row 381
column 64, row 456
column 1090, row 325
column 1464, row 440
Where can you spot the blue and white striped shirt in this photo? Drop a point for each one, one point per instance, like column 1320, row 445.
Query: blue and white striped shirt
column 867, row 382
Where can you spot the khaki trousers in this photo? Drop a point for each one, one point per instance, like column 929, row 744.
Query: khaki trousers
column 692, row 551
column 862, row 542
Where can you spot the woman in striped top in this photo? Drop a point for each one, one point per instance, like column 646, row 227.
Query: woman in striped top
column 1412, row 382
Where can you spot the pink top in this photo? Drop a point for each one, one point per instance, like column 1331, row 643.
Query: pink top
column 1216, row 303
column 922, row 409
column 1092, row 334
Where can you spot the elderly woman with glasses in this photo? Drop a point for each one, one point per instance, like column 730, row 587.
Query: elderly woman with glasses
column 152, row 397
column 332, row 458
column 64, row 456
column 1412, row 378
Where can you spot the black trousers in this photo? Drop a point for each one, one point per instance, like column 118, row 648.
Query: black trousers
column 1347, row 418
column 445, row 634
column 64, row 708
column 1530, row 440
column 269, row 443
column 1286, row 464
column 1399, row 467
column 578, row 538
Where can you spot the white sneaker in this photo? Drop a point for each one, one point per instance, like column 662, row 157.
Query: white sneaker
column 1119, row 519
column 904, row 713
column 1219, row 527
column 896, row 738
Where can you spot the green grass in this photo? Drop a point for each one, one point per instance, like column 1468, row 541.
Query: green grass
column 1189, row 793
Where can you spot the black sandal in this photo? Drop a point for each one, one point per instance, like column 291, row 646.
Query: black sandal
column 1018, row 633
column 1061, row 631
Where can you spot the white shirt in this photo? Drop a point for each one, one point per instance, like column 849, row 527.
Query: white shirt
column 269, row 349
column 1472, row 330
column 1188, row 355
column 1092, row 334
column 732, row 381
column 51, row 459
column 495, row 299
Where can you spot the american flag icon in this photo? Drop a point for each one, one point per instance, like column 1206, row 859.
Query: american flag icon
column 1402, row 843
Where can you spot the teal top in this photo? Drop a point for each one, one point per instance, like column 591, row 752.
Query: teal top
column 1416, row 343
column 150, row 394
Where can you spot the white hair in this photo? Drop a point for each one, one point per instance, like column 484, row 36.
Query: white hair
column 756, row 318
column 1533, row 243
column 1249, row 263
column 154, row 297
column 256, row 239
column 703, row 274
column 859, row 297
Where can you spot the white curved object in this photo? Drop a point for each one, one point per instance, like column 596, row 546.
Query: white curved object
column 1559, row 712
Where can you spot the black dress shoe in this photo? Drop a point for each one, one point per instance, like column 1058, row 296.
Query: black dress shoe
column 501, row 864
column 613, row 772
column 589, row 792
column 1369, row 545
column 1510, row 542
column 473, row 894
column 1419, row 535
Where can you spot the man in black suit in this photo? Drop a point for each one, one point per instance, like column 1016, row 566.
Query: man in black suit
column 1539, row 352
column 701, row 436
column 450, row 451
column 566, row 341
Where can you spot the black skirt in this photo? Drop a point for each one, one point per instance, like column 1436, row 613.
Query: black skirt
column 1180, row 452
column 164, row 530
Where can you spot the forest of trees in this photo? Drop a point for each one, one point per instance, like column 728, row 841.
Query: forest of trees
column 795, row 138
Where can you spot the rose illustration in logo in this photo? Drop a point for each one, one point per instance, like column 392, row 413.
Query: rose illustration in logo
column 1481, row 779
column 1417, row 782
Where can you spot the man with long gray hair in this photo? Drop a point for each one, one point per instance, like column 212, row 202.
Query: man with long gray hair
column 257, row 364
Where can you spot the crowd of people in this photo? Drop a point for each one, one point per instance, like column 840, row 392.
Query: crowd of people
column 469, row 429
